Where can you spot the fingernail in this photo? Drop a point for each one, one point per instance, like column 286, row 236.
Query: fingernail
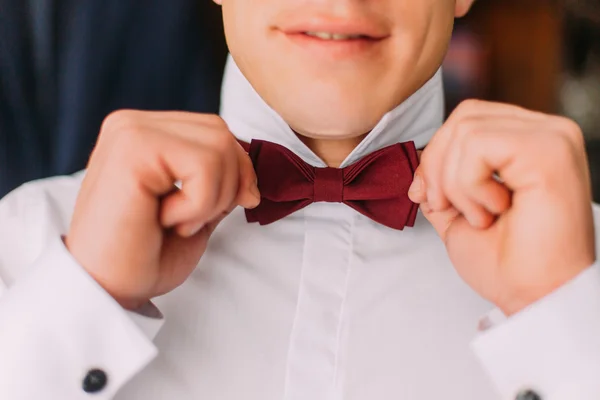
column 416, row 185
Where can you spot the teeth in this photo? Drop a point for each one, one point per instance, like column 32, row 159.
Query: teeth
column 332, row 36
column 321, row 35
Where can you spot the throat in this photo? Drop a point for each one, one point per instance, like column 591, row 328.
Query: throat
column 332, row 151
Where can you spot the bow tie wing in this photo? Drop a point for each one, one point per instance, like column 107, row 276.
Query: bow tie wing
column 284, row 180
column 377, row 186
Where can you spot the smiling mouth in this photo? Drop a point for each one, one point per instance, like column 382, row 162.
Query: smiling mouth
column 333, row 39
column 321, row 44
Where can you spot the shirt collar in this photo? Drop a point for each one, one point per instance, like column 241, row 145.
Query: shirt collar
column 249, row 117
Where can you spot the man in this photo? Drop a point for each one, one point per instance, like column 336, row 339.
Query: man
column 337, row 292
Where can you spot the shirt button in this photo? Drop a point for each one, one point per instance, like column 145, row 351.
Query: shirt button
column 528, row 395
column 94, row 381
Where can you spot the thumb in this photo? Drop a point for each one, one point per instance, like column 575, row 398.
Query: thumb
column 248, row 194
column 441, row 220
column 417, row 191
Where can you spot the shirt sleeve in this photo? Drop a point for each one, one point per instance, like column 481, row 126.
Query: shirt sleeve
column 552, row 348
column 56, row 322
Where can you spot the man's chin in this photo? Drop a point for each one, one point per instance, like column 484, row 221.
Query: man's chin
column 334, row 131
column 332, row 117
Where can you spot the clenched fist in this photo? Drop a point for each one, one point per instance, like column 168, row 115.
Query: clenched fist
column 133, row 231
column 508, row 191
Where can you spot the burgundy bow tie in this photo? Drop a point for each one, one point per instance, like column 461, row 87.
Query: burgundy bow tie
column 376, row 186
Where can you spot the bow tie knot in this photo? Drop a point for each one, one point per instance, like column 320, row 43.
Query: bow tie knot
column 375, row 186
column 329, row 185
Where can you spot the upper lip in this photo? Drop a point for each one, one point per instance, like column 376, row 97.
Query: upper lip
column 357, row 26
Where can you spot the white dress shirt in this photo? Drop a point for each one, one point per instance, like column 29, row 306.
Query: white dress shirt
column 322, row 305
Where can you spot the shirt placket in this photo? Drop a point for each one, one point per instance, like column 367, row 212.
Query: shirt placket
column 314, row 358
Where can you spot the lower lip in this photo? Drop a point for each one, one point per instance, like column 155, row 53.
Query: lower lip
column 334, row 48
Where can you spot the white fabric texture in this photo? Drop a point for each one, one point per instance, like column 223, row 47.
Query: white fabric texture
column 322, row 305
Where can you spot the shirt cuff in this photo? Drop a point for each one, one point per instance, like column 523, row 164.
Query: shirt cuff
column 148, row 319
column 551, row 347
column 57, row 323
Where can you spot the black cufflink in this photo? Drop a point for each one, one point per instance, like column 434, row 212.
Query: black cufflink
column 95, row 380
column 528, row 395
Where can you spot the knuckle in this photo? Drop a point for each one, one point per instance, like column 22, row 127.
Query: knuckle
column 116, row 119
column 215, row 120
column 572, row 131
column 223, row 142
column 465, row 179
column 207, row 162
column 467, row 128
column 569, row 126
column 122, row 135
column 120, row 125
column 559, row 143
column 129, row 136
column 448, row 185
column 563, row 150
column 471, row 142
column 559, row 153
column 469, row 106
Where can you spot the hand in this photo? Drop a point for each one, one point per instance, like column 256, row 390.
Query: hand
column 132, row 230
column 508, row 191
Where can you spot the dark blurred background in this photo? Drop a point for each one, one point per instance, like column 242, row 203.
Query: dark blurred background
column 540, row 54
column 66, row 64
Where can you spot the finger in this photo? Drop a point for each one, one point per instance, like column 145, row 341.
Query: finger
column 524, row 160
column 489, row 109
column 230, row 180
column 492, row 153
column 496, row 198
column 189, row 229
column 202, row 169
column 485, row 156
column 185, row 117
column 216, row 138
column 201, row 173
column 192, row 228
column 209, row 131
column 490, row 194
column 433, row 160
column 239, row 179
column 248, row 195
column 481, row 184
column 440, row 220
column 431, row 167
column 477, row 214
column 417, row 192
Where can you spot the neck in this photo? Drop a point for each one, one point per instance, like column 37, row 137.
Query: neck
column 332, row 151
